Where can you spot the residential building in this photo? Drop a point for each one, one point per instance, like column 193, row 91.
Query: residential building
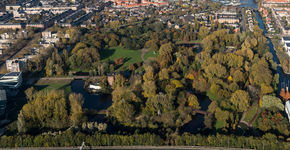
column 287, row 109
column 16, row 65
column 286, row 44
column 227, row 17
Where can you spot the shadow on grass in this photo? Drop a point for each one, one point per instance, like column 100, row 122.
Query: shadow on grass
column 106, row 53
column 40, row 87
column 120, row 66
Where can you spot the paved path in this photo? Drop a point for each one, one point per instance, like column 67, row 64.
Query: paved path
column 128, row 147
column 143, row 52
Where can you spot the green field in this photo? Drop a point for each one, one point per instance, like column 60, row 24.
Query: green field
column 130, row 56
column 44, row 85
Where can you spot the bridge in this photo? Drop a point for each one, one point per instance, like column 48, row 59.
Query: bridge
column 200, row 111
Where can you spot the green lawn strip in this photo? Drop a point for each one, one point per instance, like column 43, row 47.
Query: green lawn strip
column 54, row 85
column 150, row 54
column 130, row 56
column 251, row 112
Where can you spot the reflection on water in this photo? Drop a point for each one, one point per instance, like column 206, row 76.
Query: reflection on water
column 92, row 101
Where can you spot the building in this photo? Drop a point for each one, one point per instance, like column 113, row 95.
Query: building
column 286, row 44
column 16, row 65
column 11, row 26
column 287, row 109
column 49, row 38
column 12, row 80
column 95, row 86
column 276, row 3
column 227, row 17
column 3, row 102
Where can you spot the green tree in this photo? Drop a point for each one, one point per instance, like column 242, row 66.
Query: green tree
column 76, row 112
column 240, row 100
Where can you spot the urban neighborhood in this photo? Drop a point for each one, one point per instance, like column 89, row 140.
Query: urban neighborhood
column 82, row 74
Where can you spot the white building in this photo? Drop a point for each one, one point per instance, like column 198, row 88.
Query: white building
column 286, row 44
column 287, row 109
column 95, row 86
column 11, row 80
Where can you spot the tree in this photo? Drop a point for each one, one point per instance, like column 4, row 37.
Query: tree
column 149, row 88
column 165, row 57
column 113, row 43
column 193, row 102
column 76, row 111
column 215, row 70
column 163, row 74
column 30, row 92
column 260, row 73
column 240, row 100
column 152, row 44
column 200, row 84
column 203, row 32
column 269, row 101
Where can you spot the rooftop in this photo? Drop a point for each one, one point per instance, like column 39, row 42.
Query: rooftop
column 13, row 74
column 286, row 38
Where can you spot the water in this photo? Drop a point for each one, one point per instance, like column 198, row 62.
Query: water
column 284, row 79
column 197, row 121
column 92, row 101
column 248, row 4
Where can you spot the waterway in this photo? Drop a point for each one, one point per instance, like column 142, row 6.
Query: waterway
column 284, row 79
column 92, row 101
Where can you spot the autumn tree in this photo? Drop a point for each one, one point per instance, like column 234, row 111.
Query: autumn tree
column 240, row 100
column 76, row 111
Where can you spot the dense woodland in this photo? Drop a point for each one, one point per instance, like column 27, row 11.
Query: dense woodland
column 161, row 95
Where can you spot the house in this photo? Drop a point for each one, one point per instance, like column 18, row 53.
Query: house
column 287, row 109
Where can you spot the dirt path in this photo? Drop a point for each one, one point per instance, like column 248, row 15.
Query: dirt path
column 249, row 123
column 256, row 114
column 143, row 52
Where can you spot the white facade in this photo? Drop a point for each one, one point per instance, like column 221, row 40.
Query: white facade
column 95, row 87
column 286, row 44
column 287, row 109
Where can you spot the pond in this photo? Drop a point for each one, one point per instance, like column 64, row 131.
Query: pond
column 92, row 101
column 196, row 123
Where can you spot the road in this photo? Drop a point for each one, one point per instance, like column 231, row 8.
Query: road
column 128, row 147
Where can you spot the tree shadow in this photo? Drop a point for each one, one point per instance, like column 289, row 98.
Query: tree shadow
column 106, row 53
column 40, row 87
column 126, row 59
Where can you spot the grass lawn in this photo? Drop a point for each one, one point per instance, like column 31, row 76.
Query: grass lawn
column 150, row 54
column 131, row 56
column 251, row 112
column 43, row 85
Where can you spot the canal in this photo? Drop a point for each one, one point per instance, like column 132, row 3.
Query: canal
column 284, row 79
